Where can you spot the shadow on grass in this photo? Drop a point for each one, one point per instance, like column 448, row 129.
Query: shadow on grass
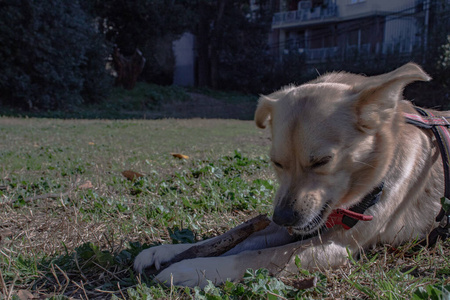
column 88, row 272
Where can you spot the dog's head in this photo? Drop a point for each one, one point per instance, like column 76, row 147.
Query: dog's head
column 332, row 139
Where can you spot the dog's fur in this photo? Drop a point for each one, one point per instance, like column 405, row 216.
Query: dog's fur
column 333, row 141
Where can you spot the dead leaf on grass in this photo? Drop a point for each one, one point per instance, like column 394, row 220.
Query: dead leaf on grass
column 87, row 185
column 180, row 156
column 5, row 233
column 301, row 284
column 131, row 175
column 25, row 295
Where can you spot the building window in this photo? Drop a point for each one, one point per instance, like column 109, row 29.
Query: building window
column 356, row 1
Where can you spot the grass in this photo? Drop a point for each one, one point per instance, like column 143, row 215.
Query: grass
column 71, row 224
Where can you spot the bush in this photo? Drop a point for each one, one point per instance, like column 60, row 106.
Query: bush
column 51, row 55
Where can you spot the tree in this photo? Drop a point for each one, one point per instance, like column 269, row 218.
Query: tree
column 51, row 56
column 148, row 25
column 232, row 44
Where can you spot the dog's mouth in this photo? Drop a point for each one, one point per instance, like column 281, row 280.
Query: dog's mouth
column 316, row 223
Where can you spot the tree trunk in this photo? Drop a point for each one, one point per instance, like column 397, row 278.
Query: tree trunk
column 215, row 44
column 203, row 48
column 128, row 68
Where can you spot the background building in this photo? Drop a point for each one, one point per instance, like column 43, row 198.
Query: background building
column 342, row 29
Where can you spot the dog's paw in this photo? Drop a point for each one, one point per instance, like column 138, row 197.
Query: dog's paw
column 197, row 272
column 156, row 256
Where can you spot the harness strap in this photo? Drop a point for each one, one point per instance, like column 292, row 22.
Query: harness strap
column 439, row 126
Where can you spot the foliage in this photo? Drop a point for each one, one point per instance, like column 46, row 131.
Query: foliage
column 51, row 56
column 443, row 64
column 144, row 97
column 256, row 285
column 432, row 292
column 239, row 44
column 291, row 70
column 53, row 52
column 228, row 96
column 444, row 59
column 232, row 45
column 148, row 25
column 182, row 236
column 150, row 101
column 133, row 24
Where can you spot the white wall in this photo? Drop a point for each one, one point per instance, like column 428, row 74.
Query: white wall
column 348, row 8
column 399, row 34
column 184, row 60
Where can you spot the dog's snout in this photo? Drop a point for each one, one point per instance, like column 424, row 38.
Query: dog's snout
column 284, row 216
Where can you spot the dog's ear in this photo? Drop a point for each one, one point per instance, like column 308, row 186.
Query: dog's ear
column 264, row 111
column 377, row 96
column 266, row 105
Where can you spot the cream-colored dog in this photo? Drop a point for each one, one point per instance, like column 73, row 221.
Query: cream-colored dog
column 333, row 141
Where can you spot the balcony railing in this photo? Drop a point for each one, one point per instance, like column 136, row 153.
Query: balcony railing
column 349, row 51
column 328, row 53
column 304, row 15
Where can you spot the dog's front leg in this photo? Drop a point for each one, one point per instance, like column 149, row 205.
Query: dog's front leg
column 314, row 254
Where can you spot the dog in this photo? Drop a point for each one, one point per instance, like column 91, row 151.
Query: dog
column 335, row 140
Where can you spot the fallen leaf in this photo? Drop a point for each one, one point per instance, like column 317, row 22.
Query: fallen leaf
column 91, row 143
column 180, row 156
column 6, row 232
column 131, row 175
column 25, row 295
column 87, row 185
column 301, row 284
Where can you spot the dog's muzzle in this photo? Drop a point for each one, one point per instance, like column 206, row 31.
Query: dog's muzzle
column 284, row 216
column 297, row 223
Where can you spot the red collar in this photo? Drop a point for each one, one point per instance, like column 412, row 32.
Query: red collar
column 348, row 218
column 337, row 218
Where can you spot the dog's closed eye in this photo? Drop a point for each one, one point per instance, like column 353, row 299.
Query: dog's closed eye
column 277, row 164
column 319, row 162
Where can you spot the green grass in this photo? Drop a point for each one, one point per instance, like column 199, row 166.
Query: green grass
column 61, row 240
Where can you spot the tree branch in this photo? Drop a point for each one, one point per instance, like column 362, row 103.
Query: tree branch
column 228, row 240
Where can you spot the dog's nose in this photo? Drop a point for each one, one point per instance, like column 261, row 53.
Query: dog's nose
column 285, row 217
